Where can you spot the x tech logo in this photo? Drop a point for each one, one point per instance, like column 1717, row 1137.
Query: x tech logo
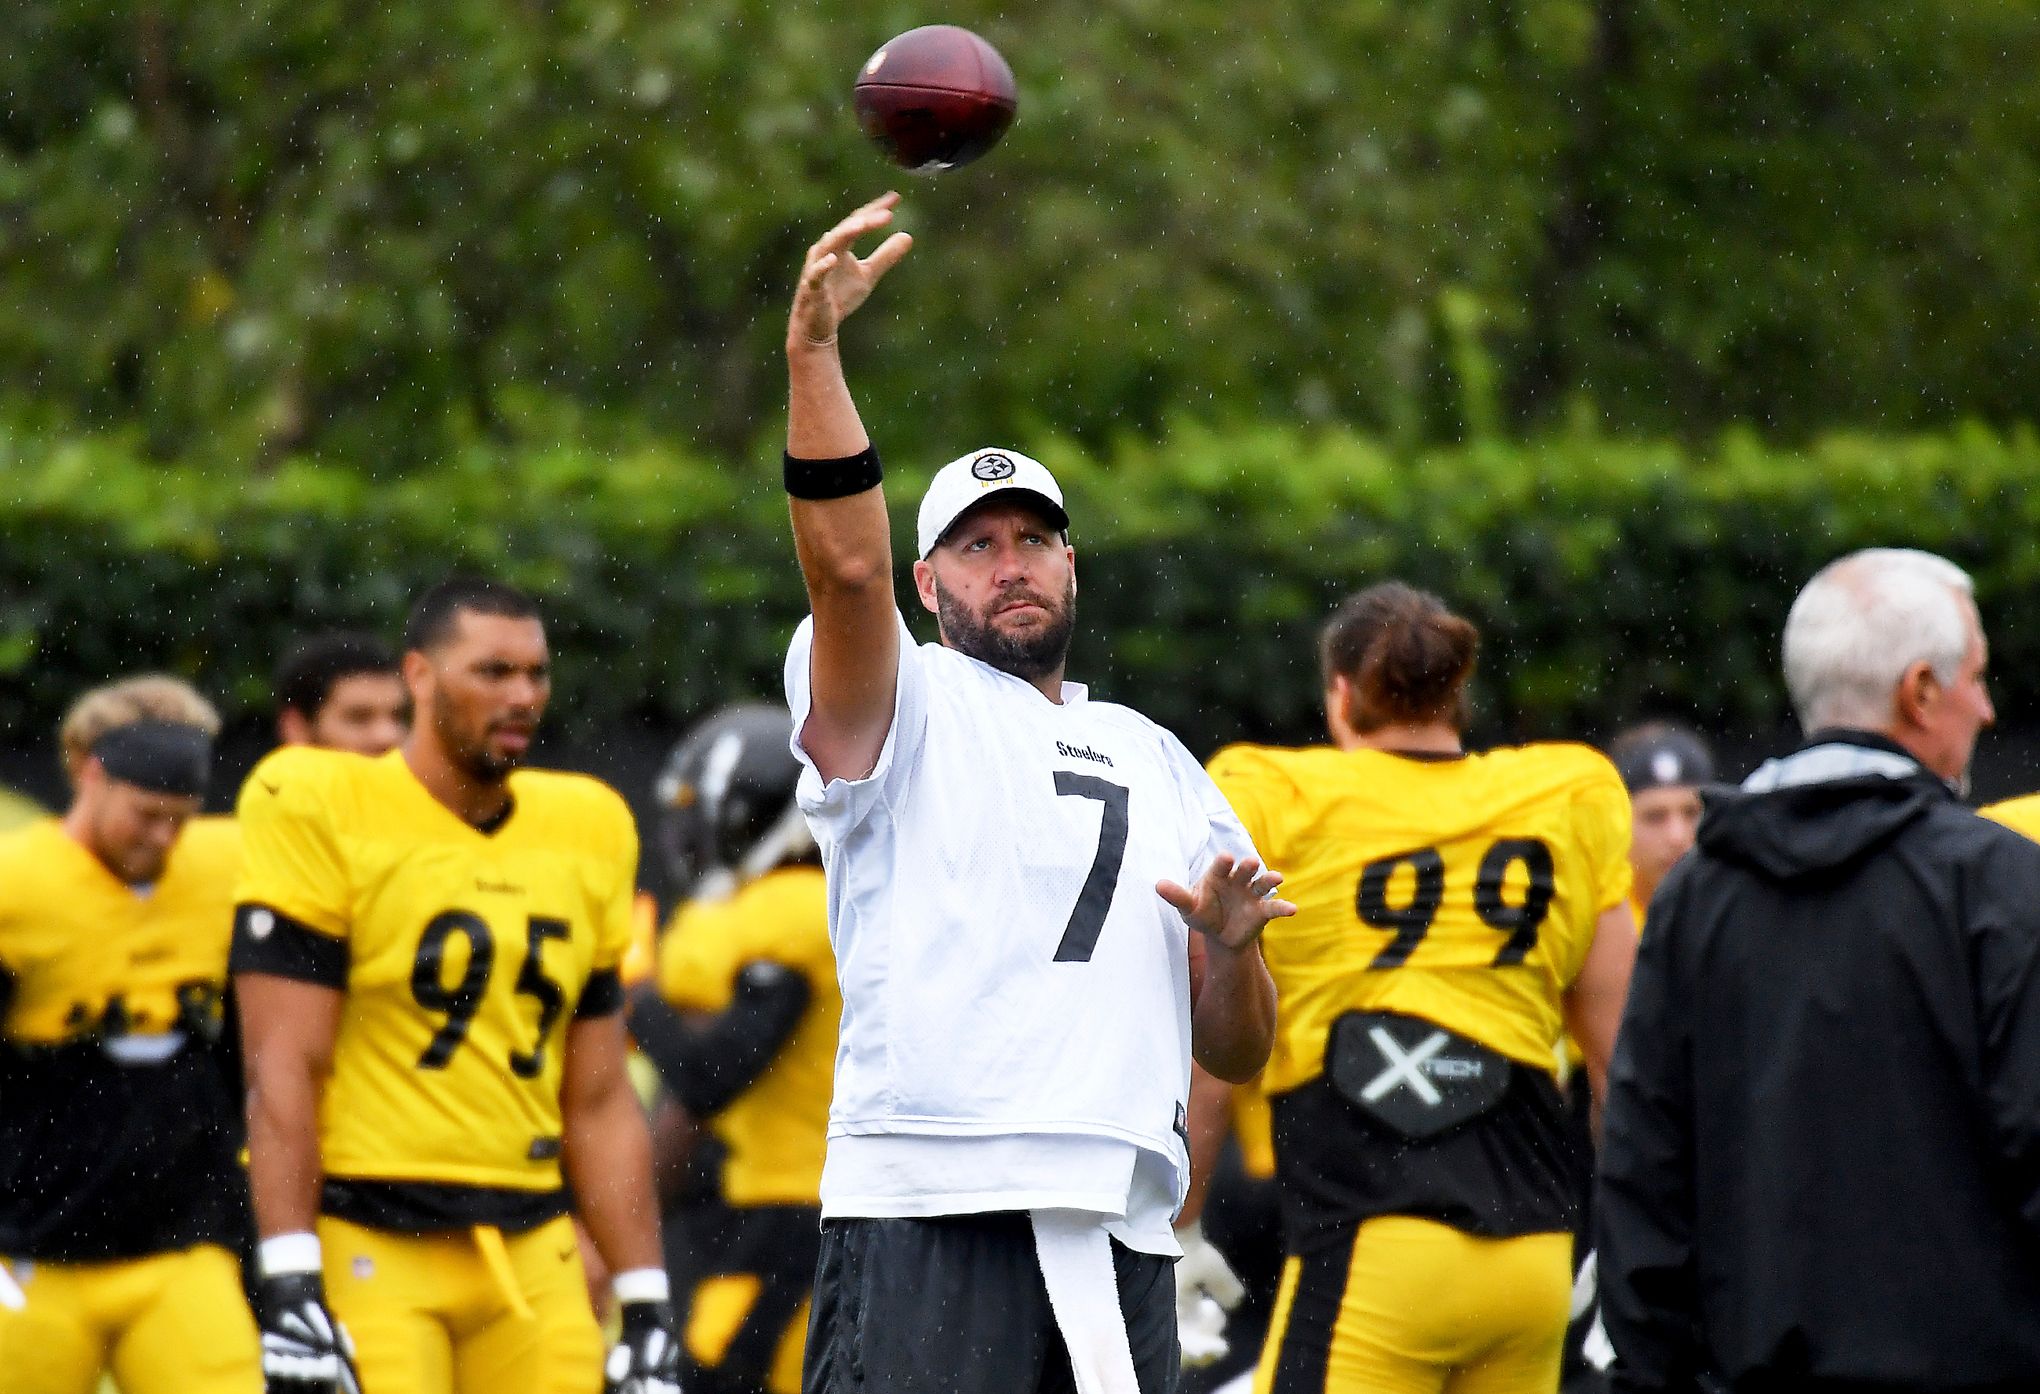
column 1405, row 1068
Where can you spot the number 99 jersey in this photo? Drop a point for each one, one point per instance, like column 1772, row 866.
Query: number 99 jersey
column 463, row 953
column 1463, row 891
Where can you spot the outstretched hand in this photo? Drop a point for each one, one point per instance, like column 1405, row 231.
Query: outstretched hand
column 1232, row 903
column 834, row 281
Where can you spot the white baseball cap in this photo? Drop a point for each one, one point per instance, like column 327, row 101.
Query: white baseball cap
column 963, row 483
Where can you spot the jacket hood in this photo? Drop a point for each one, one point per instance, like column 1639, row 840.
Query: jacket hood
column 1821, row 808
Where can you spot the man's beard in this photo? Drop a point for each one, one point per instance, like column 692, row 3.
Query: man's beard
column 1029, row 656
column 474, row 759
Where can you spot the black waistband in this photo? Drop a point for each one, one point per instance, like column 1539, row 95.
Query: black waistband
column 427, row 1207
column 1505, row 1173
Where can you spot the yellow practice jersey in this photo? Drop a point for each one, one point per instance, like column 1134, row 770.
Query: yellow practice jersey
column 463, row 953
column 89, row 954
column 1464, row 891
column 119, row 1103
column 2021, row 815
column 776, row 1130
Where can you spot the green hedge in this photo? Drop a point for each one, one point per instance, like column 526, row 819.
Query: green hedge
column 1613, row 578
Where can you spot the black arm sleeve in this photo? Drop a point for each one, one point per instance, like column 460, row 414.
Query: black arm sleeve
column 601, row 995
column 1643, row 1205
column 706, row 1068
column 266, row 941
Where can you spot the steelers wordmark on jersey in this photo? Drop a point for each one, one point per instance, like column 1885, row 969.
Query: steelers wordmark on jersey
column 1463, row 891
column 463, row 953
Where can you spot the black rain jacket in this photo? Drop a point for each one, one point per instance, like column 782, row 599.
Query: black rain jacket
column 1821, row 1164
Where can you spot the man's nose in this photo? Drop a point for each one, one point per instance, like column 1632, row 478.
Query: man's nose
column 1009, row 564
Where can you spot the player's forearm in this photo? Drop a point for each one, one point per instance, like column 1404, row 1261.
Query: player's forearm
column 284, row 1170
column 1210, row 1103
column 1232, row 1025
column 821, row 417
column 1593, row 1004
column 607, row 1157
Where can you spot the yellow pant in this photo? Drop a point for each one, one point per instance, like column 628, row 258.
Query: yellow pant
column 473, row 1312
column 1416, row 1307
column 173, row 1323
column 721, row 1306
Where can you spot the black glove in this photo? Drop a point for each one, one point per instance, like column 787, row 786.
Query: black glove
column 646, row 1356
column 304, row 1350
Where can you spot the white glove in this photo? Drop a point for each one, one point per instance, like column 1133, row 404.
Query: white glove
column 1200, row 1331
column 1595, row 1348
column 1206, row 1289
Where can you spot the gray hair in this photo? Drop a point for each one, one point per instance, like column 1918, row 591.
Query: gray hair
column 1862, row 622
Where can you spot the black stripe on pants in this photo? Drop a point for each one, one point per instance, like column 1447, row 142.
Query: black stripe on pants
column 1303, row 1359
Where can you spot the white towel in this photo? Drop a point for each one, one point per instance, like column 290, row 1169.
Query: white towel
column 1083, row 1291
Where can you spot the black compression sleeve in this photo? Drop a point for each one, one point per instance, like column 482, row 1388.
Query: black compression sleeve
column 601, row 995
column 266, row 941
column 707, row 1068
column 833, row 479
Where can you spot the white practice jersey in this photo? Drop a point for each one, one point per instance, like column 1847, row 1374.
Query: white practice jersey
column 1016, row 996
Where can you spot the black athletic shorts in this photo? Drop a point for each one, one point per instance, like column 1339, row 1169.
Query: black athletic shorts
column 956, row 1305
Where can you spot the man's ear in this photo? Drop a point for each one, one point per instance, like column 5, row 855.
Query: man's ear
column 924, row 585
column 1338, row 710
column 417, row 677
column 292, row 728
column 1918, row 689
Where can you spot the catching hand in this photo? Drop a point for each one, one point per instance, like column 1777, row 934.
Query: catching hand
column 834, row 281
column 1233, row 902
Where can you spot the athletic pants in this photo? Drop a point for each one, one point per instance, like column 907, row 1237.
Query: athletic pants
column 471, row 1311
column 174, row 1323
column 1410, row 1306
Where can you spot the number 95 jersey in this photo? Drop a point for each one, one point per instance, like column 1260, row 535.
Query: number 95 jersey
column 1461, row 890
column 463, row 954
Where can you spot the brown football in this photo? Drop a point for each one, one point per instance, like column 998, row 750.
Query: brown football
column 935, row 98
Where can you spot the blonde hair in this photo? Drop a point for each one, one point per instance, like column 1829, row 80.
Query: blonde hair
column 150, row 697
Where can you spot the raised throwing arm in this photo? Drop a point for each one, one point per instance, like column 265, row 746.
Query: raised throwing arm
column 843, row 538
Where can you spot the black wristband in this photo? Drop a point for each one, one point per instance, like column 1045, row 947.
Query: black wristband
column 833, row 479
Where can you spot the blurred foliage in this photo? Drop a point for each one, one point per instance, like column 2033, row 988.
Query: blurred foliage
column 390, row 235
column 1613, row 579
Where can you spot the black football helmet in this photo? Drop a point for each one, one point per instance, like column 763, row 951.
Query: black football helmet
column 727, row 813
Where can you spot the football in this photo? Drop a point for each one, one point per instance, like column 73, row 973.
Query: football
column 935, row 98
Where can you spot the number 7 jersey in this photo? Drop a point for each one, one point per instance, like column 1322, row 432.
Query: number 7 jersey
column 1461, row 890
column 463, row 955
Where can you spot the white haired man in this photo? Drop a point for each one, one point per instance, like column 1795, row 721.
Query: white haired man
column 1821, row 1165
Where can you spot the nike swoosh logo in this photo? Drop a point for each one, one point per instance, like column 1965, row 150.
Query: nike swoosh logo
column 272, row 788
column 566, row 1254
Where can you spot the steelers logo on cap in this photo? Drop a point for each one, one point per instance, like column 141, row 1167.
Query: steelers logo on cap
column 992, row 467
